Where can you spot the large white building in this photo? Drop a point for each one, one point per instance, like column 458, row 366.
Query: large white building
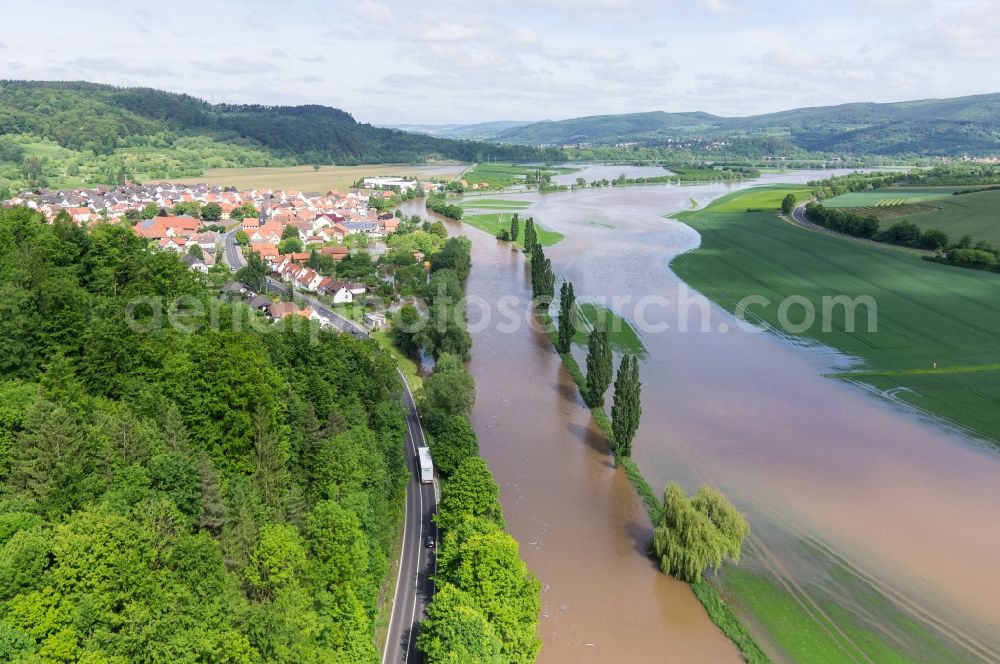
column 391, row 183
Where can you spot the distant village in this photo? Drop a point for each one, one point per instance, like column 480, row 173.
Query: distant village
column 322, row 221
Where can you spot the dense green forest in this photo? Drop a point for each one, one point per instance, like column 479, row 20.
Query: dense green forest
column 948, row 127
column 141, row 131
column 198, row 491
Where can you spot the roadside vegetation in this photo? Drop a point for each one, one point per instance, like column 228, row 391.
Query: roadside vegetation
column 486, row 604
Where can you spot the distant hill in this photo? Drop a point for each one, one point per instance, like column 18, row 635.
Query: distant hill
column 104, row 119
column 478, row 131
column 933, row 127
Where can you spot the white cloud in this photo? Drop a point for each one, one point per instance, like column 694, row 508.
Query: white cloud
column 966, row 32
column 721, row 7
column 375, row 11
column 234, row 66
column 401, row 61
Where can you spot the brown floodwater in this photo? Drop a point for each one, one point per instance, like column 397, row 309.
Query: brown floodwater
column 581, row 527
column 848, row 497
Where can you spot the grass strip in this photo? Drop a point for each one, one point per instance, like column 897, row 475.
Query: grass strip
column 723, row 616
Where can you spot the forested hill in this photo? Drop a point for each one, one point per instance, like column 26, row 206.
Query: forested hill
column 935, row 127
column 102, row 119
column 213, row 492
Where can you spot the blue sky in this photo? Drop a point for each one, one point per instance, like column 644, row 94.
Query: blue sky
column 430, row 61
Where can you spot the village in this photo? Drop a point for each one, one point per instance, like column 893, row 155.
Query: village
column 292, row 232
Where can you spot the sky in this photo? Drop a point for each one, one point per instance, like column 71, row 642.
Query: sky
column 451, row 61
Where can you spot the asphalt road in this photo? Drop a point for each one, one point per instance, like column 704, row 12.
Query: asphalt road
column 799, row 218
column 417, row 563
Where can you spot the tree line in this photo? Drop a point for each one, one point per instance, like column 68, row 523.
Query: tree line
column 981, row 255
column 944, row 175
column 439, row 203
column 102, row 119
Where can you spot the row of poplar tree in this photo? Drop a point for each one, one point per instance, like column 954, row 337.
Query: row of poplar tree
column 626, row 410
column 692, row 533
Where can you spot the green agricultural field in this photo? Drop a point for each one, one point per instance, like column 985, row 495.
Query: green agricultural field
column 759, row 198
column 826, row 633
column 976, row 214
column 889, row 196
column 929, row 315
column 623, row 337
column 500, row 176
column 493, row 223
column 892, row 212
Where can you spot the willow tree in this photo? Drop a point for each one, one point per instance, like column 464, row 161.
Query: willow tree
column 697, row 534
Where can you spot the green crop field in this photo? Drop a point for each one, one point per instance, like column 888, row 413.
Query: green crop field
column 894, row 211
column 500, row 176
column 889, row 196
column 928, row 314
column 759, row 198
column 976, row 214
column 826, row 633
column 492, row 223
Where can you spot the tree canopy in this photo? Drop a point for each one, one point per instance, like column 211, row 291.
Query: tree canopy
column 698, row 533
column 216, row 493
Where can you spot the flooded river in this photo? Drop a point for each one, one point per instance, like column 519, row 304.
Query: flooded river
column 857, row 509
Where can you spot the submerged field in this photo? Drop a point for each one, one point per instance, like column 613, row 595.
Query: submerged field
column 621, row 334
column 935, row 346
column 934, row 318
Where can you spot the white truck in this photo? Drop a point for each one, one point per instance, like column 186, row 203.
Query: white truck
column 426, row 465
